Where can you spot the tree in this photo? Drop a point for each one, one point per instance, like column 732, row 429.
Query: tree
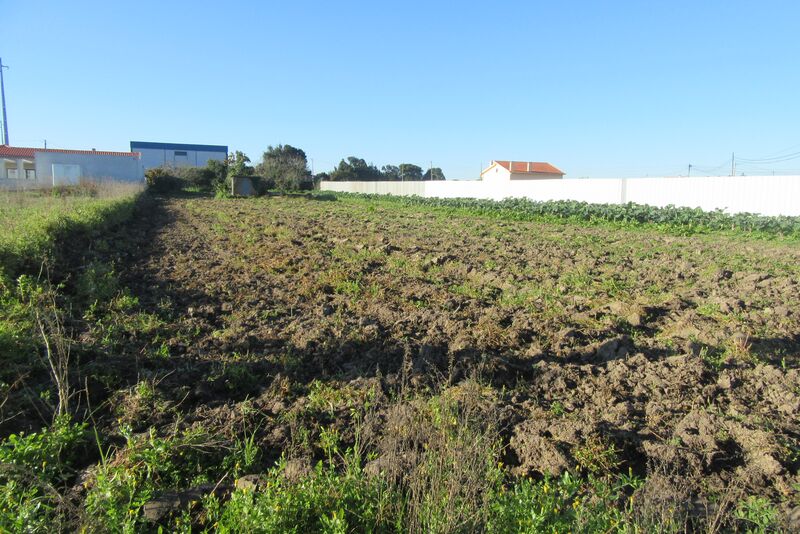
column 218, row 168
column 433, row 174
column 286, row 167
column 238, row 164
column 410, row 172
column 344, row 172
column 355, row 170
column 391, row 173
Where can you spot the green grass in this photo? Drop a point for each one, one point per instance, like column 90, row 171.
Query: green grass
column 36, row 229
column 33, row 224
column 32, row 221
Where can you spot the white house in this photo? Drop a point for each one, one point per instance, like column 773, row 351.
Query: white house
column 24, row 167
column 504, row 171
column 177, row 154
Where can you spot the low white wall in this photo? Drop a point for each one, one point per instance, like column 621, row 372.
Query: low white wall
column 767, row 195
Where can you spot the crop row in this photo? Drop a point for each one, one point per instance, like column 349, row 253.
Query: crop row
column 685, row 220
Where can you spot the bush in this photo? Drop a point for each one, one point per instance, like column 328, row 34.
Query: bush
column 262, row 185
column 162, row 180
column 201, row 178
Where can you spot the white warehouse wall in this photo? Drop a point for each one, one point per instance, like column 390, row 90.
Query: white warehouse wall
column 177, row 154
column 767, row 195
column 157, row 157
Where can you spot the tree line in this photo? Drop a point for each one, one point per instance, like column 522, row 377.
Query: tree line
column 357, row 170
column 286, row 167
column 283, row 167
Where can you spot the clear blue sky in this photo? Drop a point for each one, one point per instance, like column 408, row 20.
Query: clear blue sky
column 626, row 88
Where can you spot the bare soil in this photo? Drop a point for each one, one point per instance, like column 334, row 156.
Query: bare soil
column 680, row 353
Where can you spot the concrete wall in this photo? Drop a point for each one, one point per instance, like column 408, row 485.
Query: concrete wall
column 156, row 157
column 768, row 195
column 94, row 166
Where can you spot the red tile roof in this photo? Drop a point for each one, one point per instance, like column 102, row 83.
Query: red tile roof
column 25, row 152
column 528, row 167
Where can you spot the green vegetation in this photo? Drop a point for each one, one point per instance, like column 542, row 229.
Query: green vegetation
column 286, row 168
column 355, row 169
column 40, row 231
column 33, row 222
column 35, row 227
column 681, row 220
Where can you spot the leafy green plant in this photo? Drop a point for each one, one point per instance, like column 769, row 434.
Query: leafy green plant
column 597, row 456
column 678, row 219
column 49, row 452
column 326, row 500
column 756, row 514
column 31, row 466
column 147, row 465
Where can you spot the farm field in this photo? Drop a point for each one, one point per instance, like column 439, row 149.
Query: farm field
column 423, row 369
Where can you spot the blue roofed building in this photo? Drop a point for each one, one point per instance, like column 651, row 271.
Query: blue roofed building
column 177, row 154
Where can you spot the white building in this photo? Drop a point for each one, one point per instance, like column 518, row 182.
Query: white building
column 23, row 167
column 177, row 154
column 504, row 171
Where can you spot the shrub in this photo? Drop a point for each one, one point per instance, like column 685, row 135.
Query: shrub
column 262, row 184
column 162, row 180
column 201, row 178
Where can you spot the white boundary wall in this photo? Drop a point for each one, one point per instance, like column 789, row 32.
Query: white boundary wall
column 767, row 195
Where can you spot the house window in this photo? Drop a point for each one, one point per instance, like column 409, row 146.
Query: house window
column 12, row 174
column 30, row 174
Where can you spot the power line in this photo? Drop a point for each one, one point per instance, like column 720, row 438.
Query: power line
column 776, row 159
column 783, row 150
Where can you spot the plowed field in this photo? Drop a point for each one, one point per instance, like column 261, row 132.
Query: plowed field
column 593, row 348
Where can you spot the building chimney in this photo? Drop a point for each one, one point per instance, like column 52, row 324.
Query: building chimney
column 529, row 166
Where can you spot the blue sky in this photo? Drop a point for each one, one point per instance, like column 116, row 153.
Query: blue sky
column 596, row 88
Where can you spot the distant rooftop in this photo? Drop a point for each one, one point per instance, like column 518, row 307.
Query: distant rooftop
column 138, row 145
column 528, row 167
column 28, row 152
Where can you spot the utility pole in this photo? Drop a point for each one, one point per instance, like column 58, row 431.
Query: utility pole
column 733, row 164
column 3, row 97
column 689, row 174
